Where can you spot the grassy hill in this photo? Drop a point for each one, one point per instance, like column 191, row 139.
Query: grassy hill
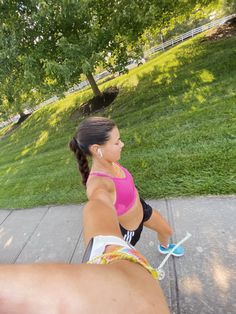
column 177, row 117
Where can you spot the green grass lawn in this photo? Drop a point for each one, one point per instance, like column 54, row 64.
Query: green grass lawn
column 177, row 117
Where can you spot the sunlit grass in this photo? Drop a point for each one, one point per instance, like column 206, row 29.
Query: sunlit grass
column 4, row 129
column 177, row 117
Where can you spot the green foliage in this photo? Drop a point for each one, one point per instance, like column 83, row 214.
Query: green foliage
column 19, row 73
column 51, row 43
column 227, row 6
column 176, row 114
column 184, row 21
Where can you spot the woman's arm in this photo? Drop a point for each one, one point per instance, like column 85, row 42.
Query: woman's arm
column 99, row 215
column 72, row 289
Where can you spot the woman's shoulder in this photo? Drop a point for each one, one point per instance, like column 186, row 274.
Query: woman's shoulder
column 98, row 182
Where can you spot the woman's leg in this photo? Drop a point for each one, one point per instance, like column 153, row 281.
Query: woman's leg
column 157, row 223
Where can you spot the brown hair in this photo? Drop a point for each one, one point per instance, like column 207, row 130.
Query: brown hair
column 94, row 130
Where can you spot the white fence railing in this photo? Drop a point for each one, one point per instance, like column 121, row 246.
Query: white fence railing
column 191, row 33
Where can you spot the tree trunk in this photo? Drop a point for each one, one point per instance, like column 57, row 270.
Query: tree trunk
column 93, row 84
column 162, row 38
column 22, row 114
column 23, row 117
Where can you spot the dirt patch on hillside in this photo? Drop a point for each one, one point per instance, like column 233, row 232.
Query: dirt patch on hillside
column 224, row 31
column 96, row 103
column 15, row 126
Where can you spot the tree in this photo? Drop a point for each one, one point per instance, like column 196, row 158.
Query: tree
column 181, row 23
column 63, row 38
column 17, row 82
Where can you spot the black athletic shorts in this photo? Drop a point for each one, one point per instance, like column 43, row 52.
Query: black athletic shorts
column 132, row 236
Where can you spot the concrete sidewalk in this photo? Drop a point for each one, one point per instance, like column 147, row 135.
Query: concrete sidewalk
column 203, row 281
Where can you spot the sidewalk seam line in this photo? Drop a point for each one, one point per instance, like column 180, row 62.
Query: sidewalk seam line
column 9, row 214
column 77, row 242
column 27, row 241
column 171, row 220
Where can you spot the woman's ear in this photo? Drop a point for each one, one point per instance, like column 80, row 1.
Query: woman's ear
column 99, row 152
column 94, row 149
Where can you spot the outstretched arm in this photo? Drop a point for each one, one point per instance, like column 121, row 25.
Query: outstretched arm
column 99, row 217
column 71, row 289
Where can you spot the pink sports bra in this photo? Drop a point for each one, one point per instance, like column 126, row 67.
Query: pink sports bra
column 126, row 192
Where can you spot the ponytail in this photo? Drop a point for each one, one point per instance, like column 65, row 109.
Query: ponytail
column 81, row 159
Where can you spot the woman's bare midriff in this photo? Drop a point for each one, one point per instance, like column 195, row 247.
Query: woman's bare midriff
column 133, row 217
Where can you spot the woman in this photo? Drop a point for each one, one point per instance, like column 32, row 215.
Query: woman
column 124, row 285
column 99, row 138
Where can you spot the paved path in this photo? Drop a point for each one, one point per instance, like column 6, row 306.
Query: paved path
column 203, row 281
